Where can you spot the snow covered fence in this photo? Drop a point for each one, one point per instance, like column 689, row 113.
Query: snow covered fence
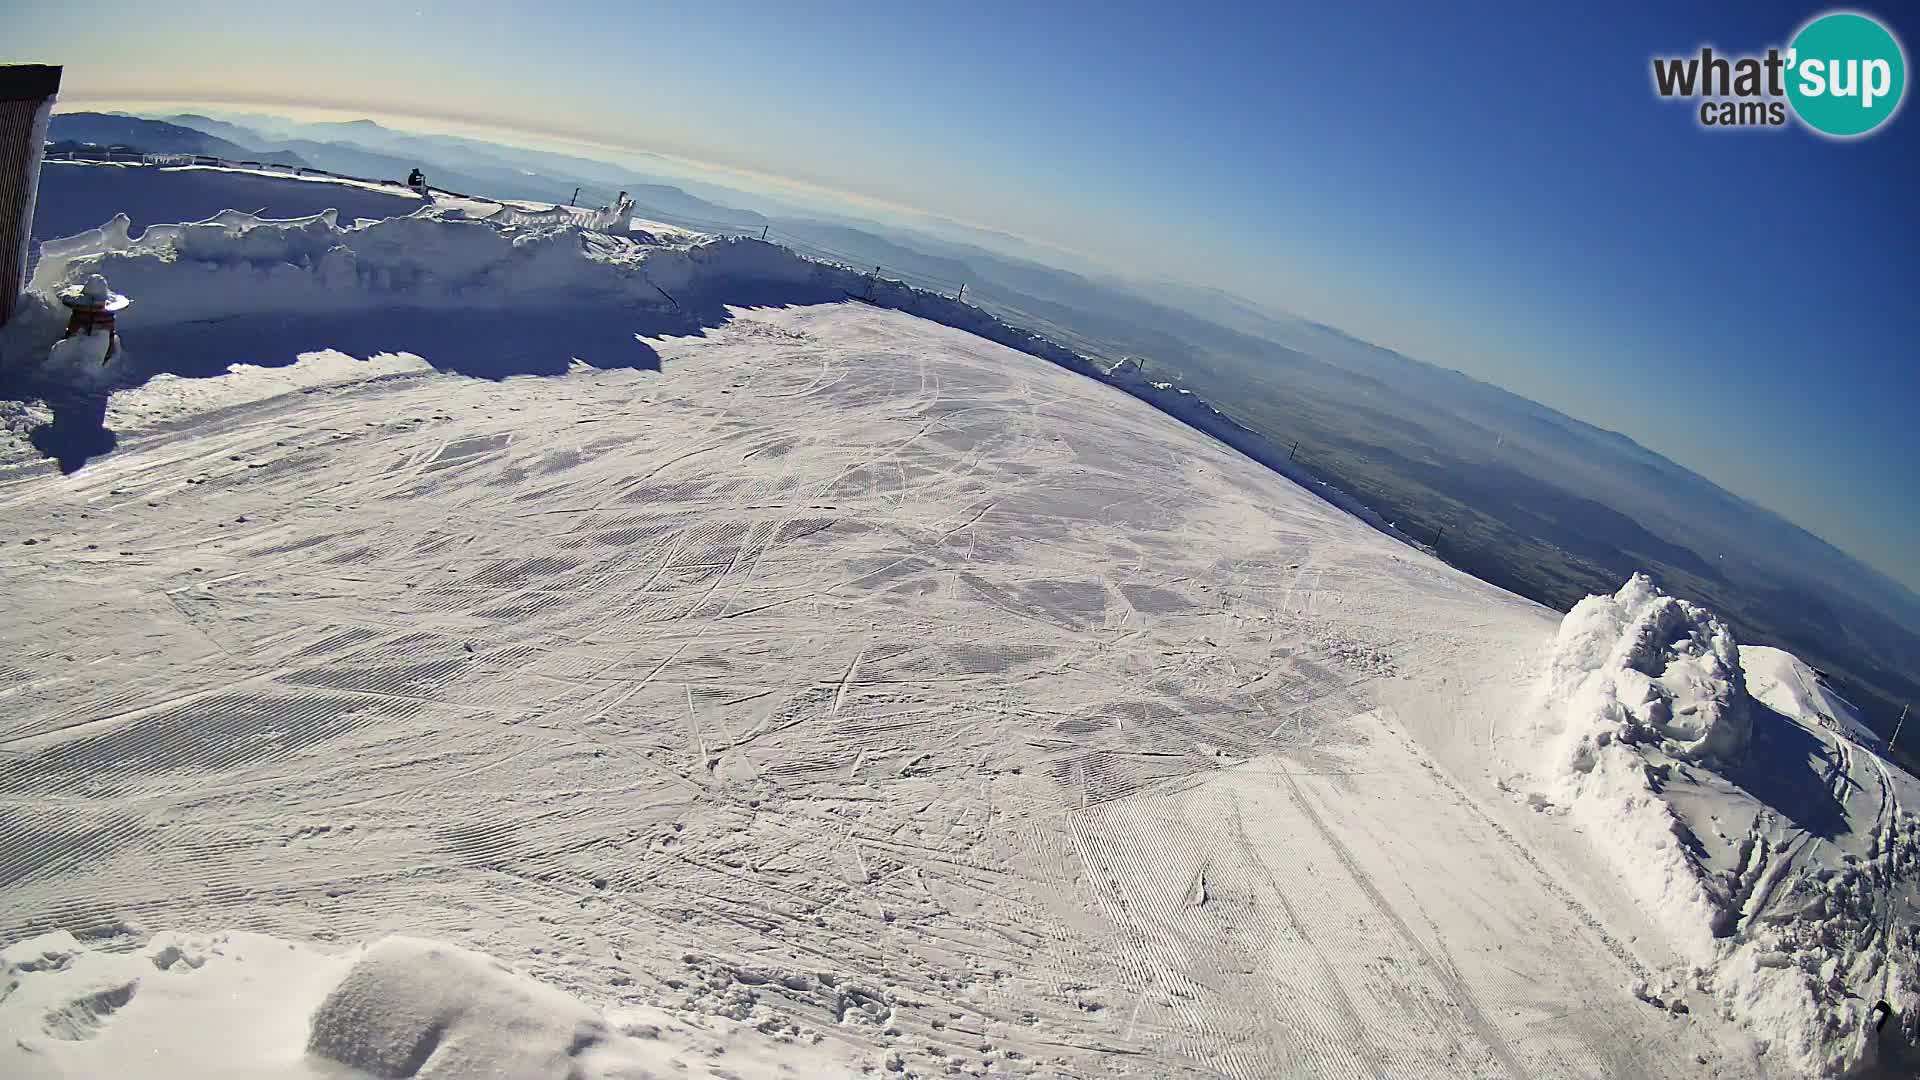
column 235, row 268
column 238, row 264
column 108, row 155
column 616, row 216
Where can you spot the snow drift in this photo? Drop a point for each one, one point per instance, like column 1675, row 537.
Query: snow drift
column 1769, row 846
column 236, row 265
column 1789, row 686
column 1644, row 668
column 76, row 196
column 241, row 1004
column 522, row 282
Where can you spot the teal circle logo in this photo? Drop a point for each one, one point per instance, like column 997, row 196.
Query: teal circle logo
column 1846, row 74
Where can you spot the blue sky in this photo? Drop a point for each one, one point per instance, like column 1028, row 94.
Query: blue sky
column 1497, row 191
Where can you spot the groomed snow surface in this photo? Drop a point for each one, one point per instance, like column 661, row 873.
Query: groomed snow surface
column 532, row 662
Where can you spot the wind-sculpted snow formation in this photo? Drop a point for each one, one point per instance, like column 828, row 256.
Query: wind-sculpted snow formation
column 1773, row 847
column 443, row 258
column 1649, row 669
column 235, row 263
column 190, row 1006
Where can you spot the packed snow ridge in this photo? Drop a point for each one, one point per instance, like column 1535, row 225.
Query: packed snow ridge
column 448, row 258
column 1729, row 819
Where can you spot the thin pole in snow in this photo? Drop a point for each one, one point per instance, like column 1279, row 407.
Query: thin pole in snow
column 763, row 232
column 1295, row 450
column 1437, row 534
column 576, row 198
column 1897, row 726
column 962, row 294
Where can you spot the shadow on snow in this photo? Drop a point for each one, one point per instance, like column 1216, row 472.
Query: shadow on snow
column 541, row 340
column 1796, row 774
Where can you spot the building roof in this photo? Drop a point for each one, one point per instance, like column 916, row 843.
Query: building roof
column 28, row 82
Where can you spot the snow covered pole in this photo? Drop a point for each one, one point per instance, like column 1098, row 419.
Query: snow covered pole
column 26, row 104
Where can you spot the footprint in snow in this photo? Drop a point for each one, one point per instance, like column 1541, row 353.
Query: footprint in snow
column 79, row 1019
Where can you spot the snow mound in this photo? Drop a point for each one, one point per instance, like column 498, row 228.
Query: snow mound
column 248, row 1005
column 473, row 296
column 1776, row 852
column 1644, row 667
column 77, row 195
column 1784, row 683
column 236, row 266
column 1634, row 672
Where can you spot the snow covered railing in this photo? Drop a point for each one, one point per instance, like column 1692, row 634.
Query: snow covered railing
column 612, row 218
column 108, row 155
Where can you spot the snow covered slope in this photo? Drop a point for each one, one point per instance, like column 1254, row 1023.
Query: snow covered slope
column 844, row 674
column 861, row 682
column 1788, row 686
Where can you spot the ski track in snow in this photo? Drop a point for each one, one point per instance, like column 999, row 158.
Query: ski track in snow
column 852, row 672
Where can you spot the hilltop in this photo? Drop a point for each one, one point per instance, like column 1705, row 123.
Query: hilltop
column 631, row 606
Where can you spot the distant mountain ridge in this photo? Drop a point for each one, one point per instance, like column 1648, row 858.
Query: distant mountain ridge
column 155, row 137
column 367, row 148
column 231, row 132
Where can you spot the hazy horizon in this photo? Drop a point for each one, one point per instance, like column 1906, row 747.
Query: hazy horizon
column 1596, row 252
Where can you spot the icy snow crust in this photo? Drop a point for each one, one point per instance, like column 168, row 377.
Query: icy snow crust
column 1773, row 847
column 823, row 671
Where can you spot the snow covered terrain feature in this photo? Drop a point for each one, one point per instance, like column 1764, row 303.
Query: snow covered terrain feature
column 245, row 1005
column 463, row 255
column 1770, row 841
column 845, row 688
column 374, row 273
column 841, row 676
column 727, row 274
